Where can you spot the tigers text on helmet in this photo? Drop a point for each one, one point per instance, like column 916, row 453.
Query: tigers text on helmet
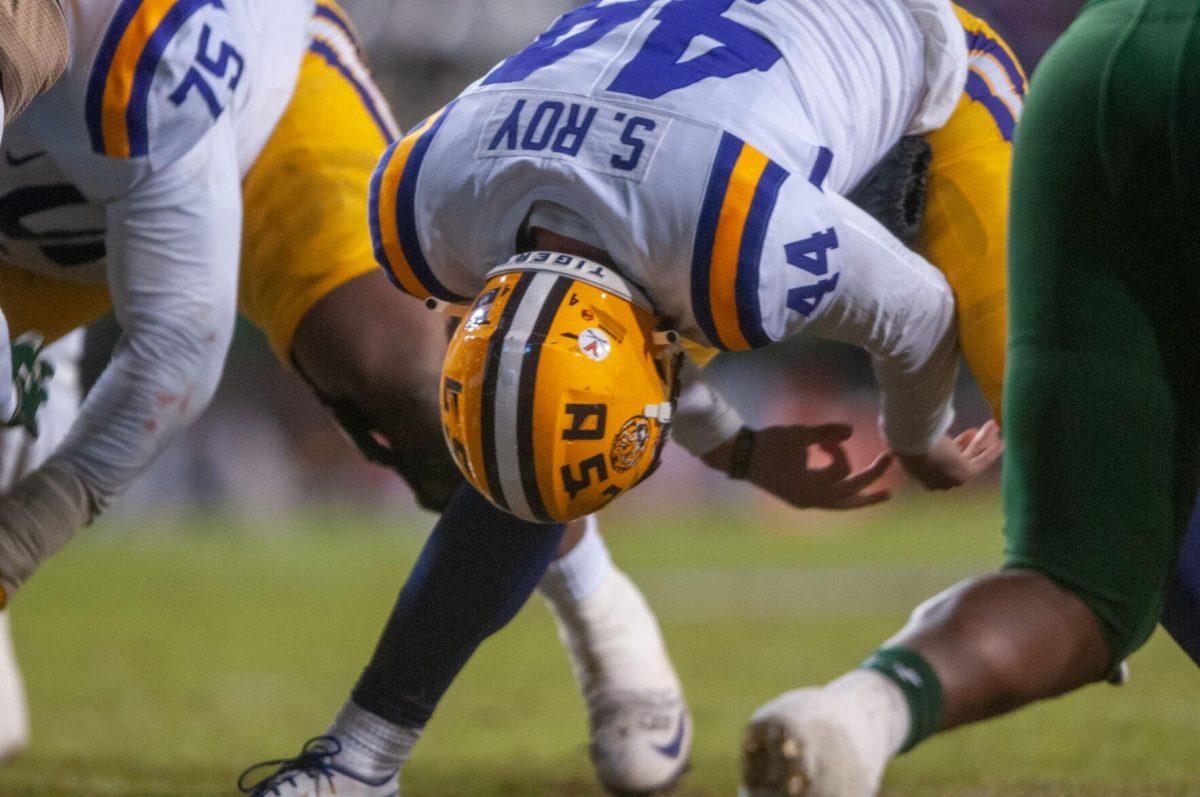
column 557, row 391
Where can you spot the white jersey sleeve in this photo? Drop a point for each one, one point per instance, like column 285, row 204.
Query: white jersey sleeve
column 173, row 245
column 164, row 105
column 702, row 419
column 149, row 78
column 815, row 262
column 891, row 302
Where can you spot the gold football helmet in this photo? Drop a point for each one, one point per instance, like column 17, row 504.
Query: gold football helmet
column 557, row 389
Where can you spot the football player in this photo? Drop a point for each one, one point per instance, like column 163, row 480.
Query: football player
column 649, row 171
column 1103, row 420
column 178, row 145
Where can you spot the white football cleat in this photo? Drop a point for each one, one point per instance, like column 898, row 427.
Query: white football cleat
column 801, row 745
column 14, row 714
column 640, row 742
column 641, row 731
column 315, row 773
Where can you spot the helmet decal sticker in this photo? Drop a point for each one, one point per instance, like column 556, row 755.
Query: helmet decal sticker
column 594, row 344
column 630, row 444
column 483, row 307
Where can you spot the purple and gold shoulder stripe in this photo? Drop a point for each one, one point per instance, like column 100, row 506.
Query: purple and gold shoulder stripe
column 392, row 214
column 995, row 78
column 127, row 64
column 743, row 186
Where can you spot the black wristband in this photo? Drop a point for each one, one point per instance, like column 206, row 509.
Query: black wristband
column 743, row 450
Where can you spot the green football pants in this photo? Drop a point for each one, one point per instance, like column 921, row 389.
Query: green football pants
column 1102, row 395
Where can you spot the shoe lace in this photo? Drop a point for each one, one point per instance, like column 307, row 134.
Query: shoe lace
column 315, row 761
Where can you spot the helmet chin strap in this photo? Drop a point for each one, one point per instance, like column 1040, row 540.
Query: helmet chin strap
column 660, row 412
column 438, row 306
column 665, row 338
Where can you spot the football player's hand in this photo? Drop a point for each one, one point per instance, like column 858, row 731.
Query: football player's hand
column 954, row 461
column 780, row 464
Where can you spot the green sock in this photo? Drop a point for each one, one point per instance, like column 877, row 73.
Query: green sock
column 919, row 683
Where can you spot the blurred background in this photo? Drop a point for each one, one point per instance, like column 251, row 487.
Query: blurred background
column 218, row 614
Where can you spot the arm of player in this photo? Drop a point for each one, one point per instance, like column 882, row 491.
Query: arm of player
column 173, row 262
column 173, row 247
column 707, row 426
column 899, row 308
column 702, row 420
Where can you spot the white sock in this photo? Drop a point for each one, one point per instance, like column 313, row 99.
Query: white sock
column 14, row 716
column 605, row 623
column 372, row 747
column 573, row 577
column 877, row 709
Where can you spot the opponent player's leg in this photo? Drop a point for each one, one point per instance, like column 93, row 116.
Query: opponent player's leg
column 1101, row 420
column 1102, row 404
column 1181, row 606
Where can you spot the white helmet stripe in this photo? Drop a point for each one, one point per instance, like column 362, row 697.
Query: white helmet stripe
column 512, row 356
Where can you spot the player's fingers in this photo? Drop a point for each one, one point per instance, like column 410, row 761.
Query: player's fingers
column 839, row 466
column 826, row 433
column 964, row 439
column 985, row 438
column 867, row 476
column 987, row 457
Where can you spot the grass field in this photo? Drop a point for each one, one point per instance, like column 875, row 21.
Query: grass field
column 162, row 664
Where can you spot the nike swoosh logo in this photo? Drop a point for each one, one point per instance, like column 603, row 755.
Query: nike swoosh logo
column 672, row 749
column 21, row 161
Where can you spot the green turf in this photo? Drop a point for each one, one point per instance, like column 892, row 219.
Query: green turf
column 161, row 664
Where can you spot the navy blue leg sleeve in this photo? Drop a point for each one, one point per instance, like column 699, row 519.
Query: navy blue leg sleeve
column 477, row 569
column 1181, row 610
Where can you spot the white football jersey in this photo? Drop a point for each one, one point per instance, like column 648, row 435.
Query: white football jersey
column 99, row 130
column 692, row 140
column 128, row 171
column 148, row 78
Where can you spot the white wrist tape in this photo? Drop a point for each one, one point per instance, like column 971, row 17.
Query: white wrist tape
column 38, row 517
column 702, row 420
